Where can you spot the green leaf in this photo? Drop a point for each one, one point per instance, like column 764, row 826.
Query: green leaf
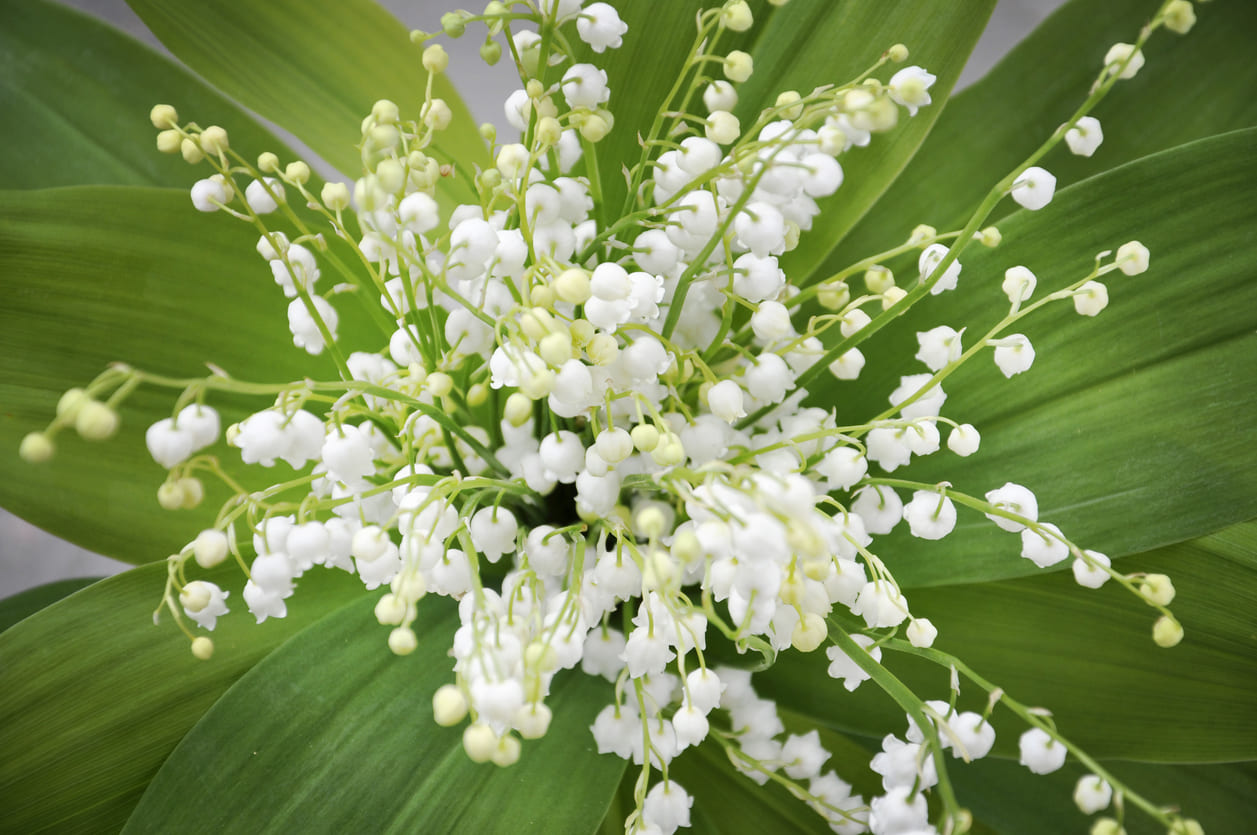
column 18, row 607
column 76, row 96
column 315, row 72
column 93, row 696
column 332, row 732
column 1192, row 87
column 1131, row 428
column 1087, row 655
column 95, row 275
column 805, row 45
column 1011, row 799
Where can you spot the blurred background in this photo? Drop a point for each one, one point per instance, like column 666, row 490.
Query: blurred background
column 30, row 557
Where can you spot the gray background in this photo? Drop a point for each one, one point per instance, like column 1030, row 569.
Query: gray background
column 29, row 556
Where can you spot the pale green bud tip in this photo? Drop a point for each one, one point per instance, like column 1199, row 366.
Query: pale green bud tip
column 990, row 237
column 385, row 112
column 789, row 102
column 897, row 53
column 164, row 116
column 214, row 140
column 1180, row 17
column 170, row 495
column 418, row 36
column 268, row 163
column 736, row 16
column 449, row 706
column 95, row 421
column 488, row 132
column 402, row 640
column 335, row 196
column 1167, row 632
column 548, row 131
column 518, row 409
column 439, row 383
column 36, row 448
column 202, row 648
column 435, row 58
column 297, row 172
column 70, row 403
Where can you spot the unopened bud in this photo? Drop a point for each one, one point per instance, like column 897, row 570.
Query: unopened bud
column 163, row 116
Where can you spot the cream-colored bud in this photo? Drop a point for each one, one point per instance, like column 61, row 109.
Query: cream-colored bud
column 477, row 395
column 402, row 640
column 602, row 349
column 210, row 548
column 191, row 151
column 1167, row 632
column 480, row 742
column 1180, row 17
column 449, row 706
column 645, row 437
column 163, row 116
column 548, row 131
column 191, row 491
column 169, row 141
column 335, row 196
column 834, row 295
column 686, row 547
column 922, row 234
column 439, row 383
column 268, row 163
column 878, row 279
column 594, row 127
column 518, row 409
column 536, row 323
column 722, row 127
column 892, row 296
column 435, row 58
column 650, row 521
column 385, row 112
column 390, row 176
column 572, row 286
column 738, row 66
column 1157, row 589
column 555, row 348
column 436, row 114
column 95, row 421
column 507, row 752
column 512, row 159
column 202, row 647
column 809, row 633
column 791, row 103
column 542, row 296
column 36, row 448
column 390, row 610
column 170, row 496
column 990, row 237
column 897, row 53
column 214, row 140
column 736, row 16
column 297, row 172
column 582, row 330
column 669, row 452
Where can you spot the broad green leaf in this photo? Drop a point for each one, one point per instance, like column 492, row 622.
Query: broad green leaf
column 1192, row 87
column 805, row 45
column 96, row 275
column 1132, row 427
column 18, row 607
column 1086, row 655
column 1012, row 800
column 76, row 94
column 93, row 696
column 315, row 71
column 332, row 732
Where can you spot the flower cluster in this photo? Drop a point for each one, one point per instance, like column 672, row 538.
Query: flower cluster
column 596, row 426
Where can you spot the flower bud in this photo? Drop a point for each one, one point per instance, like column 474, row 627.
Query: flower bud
column 480, row 742
column 202, row 647
column 210, row 548
column 297, row 172
column 507, row 751
column 1167, row 632
column 449, row 706
column 897, row 53
column 1132, row 258
column 95, row 421
column 435, row 58
column 518, row 410
column 738, row 66
column 736, row 16
column 170, row 496
column 214, row 140
column 490, row 51
column 192, row 492
column 36, row 448
column 809, row 633
column 1180, row 17
column 402, row 640
column 1157, row 590
column 335, row 196
column 191, row 151
column 163, row 116
column 169, row 141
